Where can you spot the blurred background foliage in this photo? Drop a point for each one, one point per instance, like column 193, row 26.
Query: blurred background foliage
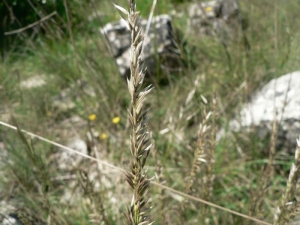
column 16, row 14
column 48, row 50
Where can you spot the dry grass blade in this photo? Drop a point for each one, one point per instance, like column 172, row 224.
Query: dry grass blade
column 152, row 182
column 62, row 146
column 209, row 203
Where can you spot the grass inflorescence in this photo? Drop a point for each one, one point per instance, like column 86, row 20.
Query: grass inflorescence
column 197, row 179
column 140, row 142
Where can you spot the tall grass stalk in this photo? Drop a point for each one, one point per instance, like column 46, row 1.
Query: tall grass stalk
column 140, row 138
column 203, row 164
column 289, row 206
column 200, row 153
column 261, row 192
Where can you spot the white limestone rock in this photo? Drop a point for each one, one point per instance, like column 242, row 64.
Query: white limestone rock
column 159, row 43
column 279, row 99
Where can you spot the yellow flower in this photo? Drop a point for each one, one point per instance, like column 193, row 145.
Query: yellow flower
column 116, row 120
column 49, row 113
column 103, row 136
column 208, row 9
column 92, row 117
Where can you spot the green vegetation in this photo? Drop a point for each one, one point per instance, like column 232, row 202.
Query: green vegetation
column 236, row 174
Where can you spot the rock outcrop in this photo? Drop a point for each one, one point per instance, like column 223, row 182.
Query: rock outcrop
column 160, row 51
column 279, row 99
column 219, row 18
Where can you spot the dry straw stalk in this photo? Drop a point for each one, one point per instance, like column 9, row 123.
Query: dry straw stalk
column 289, row 207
